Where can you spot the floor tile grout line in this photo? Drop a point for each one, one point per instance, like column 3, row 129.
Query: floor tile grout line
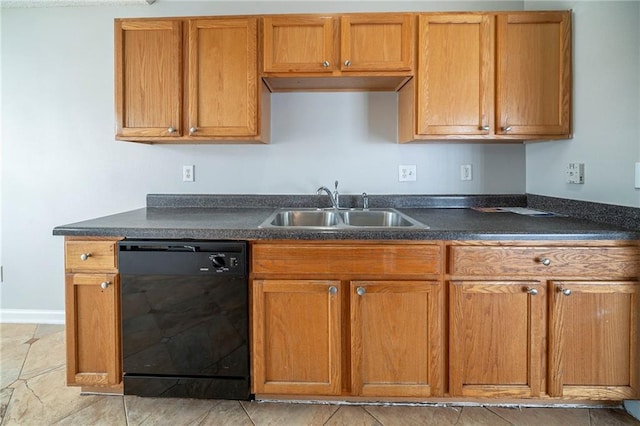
column 247, row 413
column 508, row 421
column 372, row 415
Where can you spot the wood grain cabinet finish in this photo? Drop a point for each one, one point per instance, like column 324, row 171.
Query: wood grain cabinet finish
column 297, row 337
column 593, row 345
column 298, row 44
column 395, row 333
column 468, row 60
column 352, row 52
column 533, row 80
column 350, row 319
column 149, row 78
column 190, row 80
column 503, row 343
column 92, row 313
column 496, row 340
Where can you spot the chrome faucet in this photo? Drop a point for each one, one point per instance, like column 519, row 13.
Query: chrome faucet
column 335, row 200
column 365, row 201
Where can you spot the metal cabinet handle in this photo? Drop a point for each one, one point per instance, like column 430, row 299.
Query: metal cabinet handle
column 361, row 291
column 347, row 63
column 506, row 128
column 532, row 291
column 333, row 290
column 85, row 256
column 193, row 130
column 566, row 291
column 485, row 128
column 544, row 261
column 326, row 64
column 105, row 284
column 171, row 130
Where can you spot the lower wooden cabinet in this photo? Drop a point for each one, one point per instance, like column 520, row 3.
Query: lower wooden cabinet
column 93, row 330
column 497, row 334
column 544, row 319
column 92, row 313
column 593, row 346
column 396, row 332
column 349, row 319
column 297, row 337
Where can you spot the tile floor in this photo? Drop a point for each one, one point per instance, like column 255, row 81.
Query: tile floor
column 33, row 392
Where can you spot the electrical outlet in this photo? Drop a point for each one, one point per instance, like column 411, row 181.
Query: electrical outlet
column 187, row 174
column 407, row 173
column 575, row 173
column 465, row 172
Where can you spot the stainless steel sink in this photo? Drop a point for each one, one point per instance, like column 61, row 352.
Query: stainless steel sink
column 384, row 218
column 332, row 219
column 308, row 218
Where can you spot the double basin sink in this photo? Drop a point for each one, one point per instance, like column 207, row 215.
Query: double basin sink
column 340, row 219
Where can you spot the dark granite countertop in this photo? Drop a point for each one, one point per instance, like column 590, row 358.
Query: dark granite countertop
column 191, row 218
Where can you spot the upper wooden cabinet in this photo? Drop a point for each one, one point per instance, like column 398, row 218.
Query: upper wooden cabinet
column 366, row 51
column 377, row 42
column 466, row 60
column 207, row 92
column 148, row 60
column 533, row 85
column 298, row 44
column 455, row 77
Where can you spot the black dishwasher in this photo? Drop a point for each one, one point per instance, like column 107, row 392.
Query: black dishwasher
column 185, row 311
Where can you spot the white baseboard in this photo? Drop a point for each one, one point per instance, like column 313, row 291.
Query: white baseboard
column 31, row 316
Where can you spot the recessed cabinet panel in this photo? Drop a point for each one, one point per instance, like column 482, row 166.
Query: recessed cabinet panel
column 496, row 338
column 93, row 332
column 594, row 339
column 376, row 42
column 396, row 338
column 296, row 331
column 534, row 74
column 148, row 78
column 455, row 77
column 298, row 44
column 223, row 77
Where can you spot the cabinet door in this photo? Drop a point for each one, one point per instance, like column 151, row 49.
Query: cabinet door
column 92, row 329
column 594, row 340
column 223, row 77
column 296, row 337
column 496, row 338
column 534, row 74
column 381, row 42
column 455, row 75
column 148, row 78
column 298, row 44
column 396, row 338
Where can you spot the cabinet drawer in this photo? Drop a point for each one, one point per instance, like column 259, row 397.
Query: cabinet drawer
column 90, row 256
column 374, row 259
column 600, row 262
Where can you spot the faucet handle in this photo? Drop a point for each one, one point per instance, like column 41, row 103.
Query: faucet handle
column 336, row 185
column 365, row 201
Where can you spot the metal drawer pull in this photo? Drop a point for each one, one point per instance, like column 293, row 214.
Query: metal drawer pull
column 105, row 284
column 333, row 290
column 326, row 64
column 566, row 291
column 85, row 256
column 361, row 291
column 545, row 261
column 532, row 291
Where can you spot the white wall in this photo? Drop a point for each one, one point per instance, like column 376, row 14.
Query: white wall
column 606, row 110
column 61, row 164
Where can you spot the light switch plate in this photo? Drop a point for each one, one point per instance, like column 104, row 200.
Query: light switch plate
column 637, row 185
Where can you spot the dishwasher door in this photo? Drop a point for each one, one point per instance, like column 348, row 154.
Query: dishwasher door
column 185, row 319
